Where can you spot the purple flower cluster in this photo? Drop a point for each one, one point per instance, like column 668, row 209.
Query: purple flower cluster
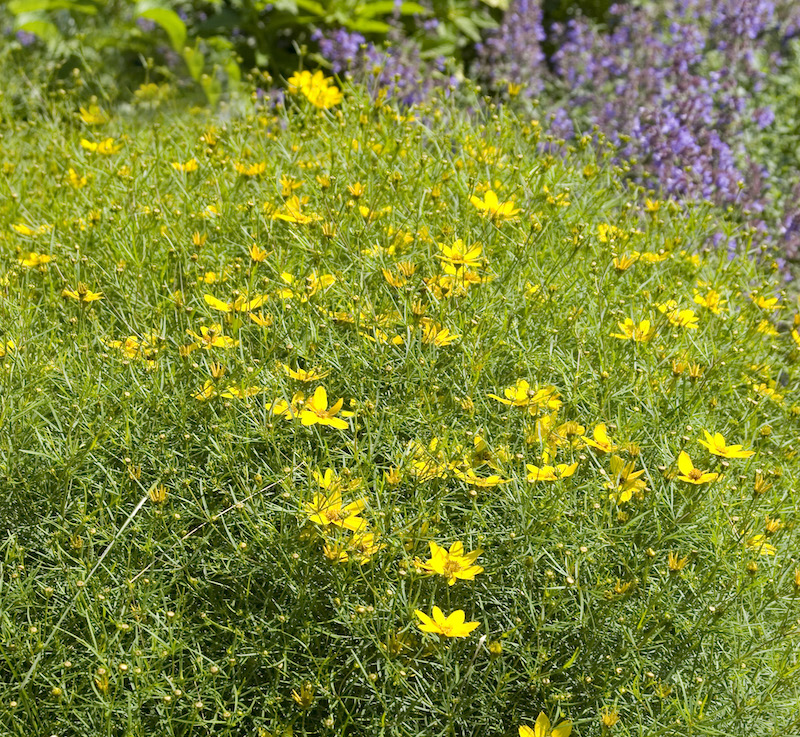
column 673, row 85
column 512, row 53
column 398, row 69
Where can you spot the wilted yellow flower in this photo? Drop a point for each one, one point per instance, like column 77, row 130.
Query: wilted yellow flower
column 305, row 697
column 674, row 563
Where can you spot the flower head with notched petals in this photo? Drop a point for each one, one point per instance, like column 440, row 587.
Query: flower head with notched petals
column 716, row 444
column 542, row 728
column 522, row 395
column 211, row 337
column 601, row 440
column 491, row 206
column 693, row 475
column 326, row 510
column 316, row 411
column 82, row 294
column 305, row 375
column 450, row 626
column 550, row 473
column 629, row 330
column 453, row 564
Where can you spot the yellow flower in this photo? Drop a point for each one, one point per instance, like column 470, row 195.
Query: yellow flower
column 209, row 391
column 435, row 334
column 105, row 147
column 305, row 698
column 490, row 205
column 240, row 392
column 483, row 482
column 76, row 180
column 257, row 253
column 451, row 626
column 765, row 303
column 759, row 543
column 625, row 261
column 640, row 333
column 601, row 441
column 134, row 348
column 8, row 347
column 93, row 116
column 316, row 411
column 250, row 170
column 550, row 473
column 716, row 444
column 712, row 300
column 212, row 337
column 35, row 260
column 305, row 375
column 23, row 229
column 188, row 167
column 625, row 482
column 292, row 212
column 317, row 88
column 674, row 563
column 289, row 185
column 328, row 510
column 677, row 317
column 461, row 255
column 542, row 728
column 691, row 474
column 521, row 395
column 82, row 294
column 453, row 564
column 240, row 304
column 289, row 410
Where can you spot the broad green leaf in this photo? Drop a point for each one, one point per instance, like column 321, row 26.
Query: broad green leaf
column 194, row 61
column 467, row 27
column 17, row 7
column 383, row 7
column 212, row 87
column 499, row 4
column 310, row 6
column 35, row 24
column 366, row 25
column 168, row 19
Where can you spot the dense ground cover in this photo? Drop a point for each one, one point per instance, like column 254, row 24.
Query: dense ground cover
column 199, row 537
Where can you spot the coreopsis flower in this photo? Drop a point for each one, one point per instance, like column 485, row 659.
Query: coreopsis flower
column 250, row 170
column 542, row 728
column 186, row 167
column 289, row 185
column 157, row 494
column 292, row 212
column 208, row 391
column 239, row 304
column 232, row 391
column 693, row 475
column 75, row 180
column 135, row 348
column 674, row 563
column 6, row 347
column 522, row 395
column 550, row 473
column 81, row 294
column 257, row 253
column 482, row 482
column 289, row 409
column 625, row 481
column 759, row 544
column 711, row 300
column 105, row 147
column 459, row 254
column 679, row 318
column 716, row 444
column 305, row 697
column 629, row 330
column 93, row 116
column 331, row 481
column 35, row 260
column 491, row 206
column 435, row 334
column 609, row 716
column 315, row 411
column 765, row 303
column 304, row 375
column 450, row 626
column 326, row 510
column 22, row 229
column 600, row 439
column 212, row 337
column 317, row 88
column 453, row 564
column 625, row 261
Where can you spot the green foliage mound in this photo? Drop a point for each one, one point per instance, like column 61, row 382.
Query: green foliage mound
column 194, row 541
